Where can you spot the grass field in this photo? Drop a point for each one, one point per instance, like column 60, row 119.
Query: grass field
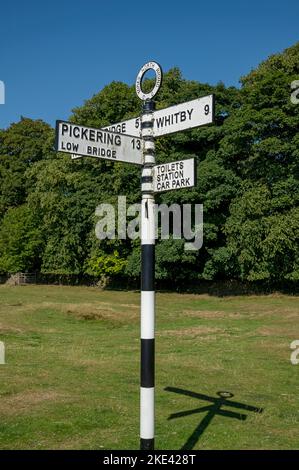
column 71, row 378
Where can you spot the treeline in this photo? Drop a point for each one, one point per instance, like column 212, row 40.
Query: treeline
column 247, row 182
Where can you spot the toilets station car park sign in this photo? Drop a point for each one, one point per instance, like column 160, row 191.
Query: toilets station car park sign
column 133, row 141
column 174, row 175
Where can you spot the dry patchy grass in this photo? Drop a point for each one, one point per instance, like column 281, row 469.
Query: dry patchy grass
column 27, row 401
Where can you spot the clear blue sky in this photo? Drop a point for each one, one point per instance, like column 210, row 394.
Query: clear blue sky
column 55, row 54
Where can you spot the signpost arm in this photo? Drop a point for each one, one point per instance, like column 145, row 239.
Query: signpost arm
column 147, row 385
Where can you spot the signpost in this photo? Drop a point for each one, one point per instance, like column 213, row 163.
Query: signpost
column 133, row 141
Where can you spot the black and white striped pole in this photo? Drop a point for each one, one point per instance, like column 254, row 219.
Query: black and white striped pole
column 147, row 381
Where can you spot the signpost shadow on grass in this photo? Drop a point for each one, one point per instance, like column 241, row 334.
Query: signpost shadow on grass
column 212, row 410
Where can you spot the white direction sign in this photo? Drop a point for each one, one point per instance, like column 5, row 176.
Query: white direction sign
column 174, row 175
column 90, row 142
column 180, row 117
column 183, row 116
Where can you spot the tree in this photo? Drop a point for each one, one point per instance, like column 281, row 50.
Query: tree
column 261, row 145
column 263, row 233
column 21, row 241
column 21, row 145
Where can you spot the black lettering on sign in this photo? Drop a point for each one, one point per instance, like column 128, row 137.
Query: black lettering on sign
column 120, row 128
column 160, row 122
column 101, row 152
column 92, row 135
column 174, row 118
column 117, row 140
column 101, row 137
column 109, row 139
column 190, row 111
column 64, row 128
column 84, row 134
column 70, row 147
column 167, row 120
column 76, row 132
column 136, row 143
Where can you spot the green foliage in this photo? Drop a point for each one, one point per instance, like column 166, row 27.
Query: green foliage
column 263, row 235
column 21, row 241
column 105, row 265
column 108, row 106
column 21, row 146
column 61, row 195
